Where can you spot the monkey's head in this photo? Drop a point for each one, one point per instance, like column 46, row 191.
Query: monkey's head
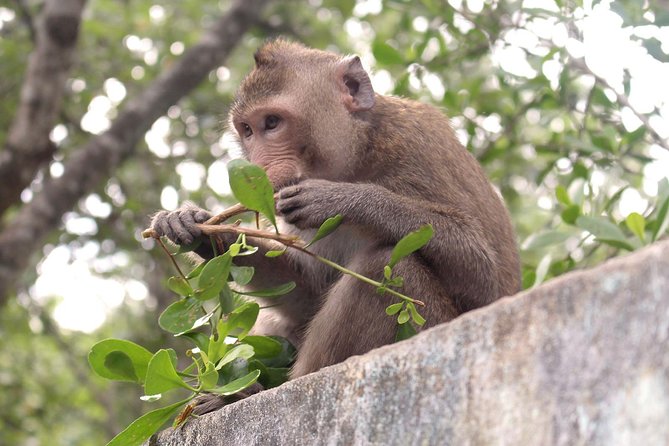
column 300, row 113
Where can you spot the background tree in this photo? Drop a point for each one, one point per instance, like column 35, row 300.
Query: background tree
column 112, row 110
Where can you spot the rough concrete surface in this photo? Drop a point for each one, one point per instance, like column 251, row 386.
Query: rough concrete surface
column 581, row 360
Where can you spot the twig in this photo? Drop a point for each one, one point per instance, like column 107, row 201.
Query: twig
column 212, row 228
column 169, row 254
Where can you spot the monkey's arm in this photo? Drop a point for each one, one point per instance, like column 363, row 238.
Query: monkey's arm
column 458, row 252
column 180, row 227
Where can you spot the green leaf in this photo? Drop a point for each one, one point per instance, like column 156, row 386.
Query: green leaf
column 234, row 369
column 571, row 214
column 394, row 308
column 415, row 316
column 217, row 346
column 213, row 277
column 386, row 54
column 238, row 351
column 234, row 249
column 637, row 224
column 239, row 384
column 209, row 378
column 662, row 220
column 161, row 375
column 275, row 253
column 264, row 346
column 544, row 239
column 542, row 269
column 196, row 271
column 403, row 317
column 242, row 318
column 119, row 360
column 181, row 316
column 252, row 188
column 562, row 195
column 276, row 291
column 148, row 424
column 601, row 228
column 179, row 286
column 411, row 242
column 270, row 376
column 387, row 272
column 199, row 339
column 242, row 275
column 326, row 228
column 404, row 331
column 285, row 358
column 620, row 244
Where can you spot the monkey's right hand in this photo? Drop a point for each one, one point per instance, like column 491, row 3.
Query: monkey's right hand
column 180, row 226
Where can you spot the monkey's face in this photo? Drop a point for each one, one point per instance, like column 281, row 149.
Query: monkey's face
column 297, row 113
column 272, row 136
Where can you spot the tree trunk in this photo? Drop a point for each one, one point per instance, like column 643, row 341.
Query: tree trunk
column 96, row 160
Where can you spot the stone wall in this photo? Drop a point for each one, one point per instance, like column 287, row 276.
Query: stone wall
column 581, row 360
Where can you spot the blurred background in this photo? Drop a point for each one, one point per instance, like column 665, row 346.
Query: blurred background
column 113, row 109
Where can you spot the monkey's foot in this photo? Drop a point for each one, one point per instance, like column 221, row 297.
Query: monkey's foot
column 210, row 402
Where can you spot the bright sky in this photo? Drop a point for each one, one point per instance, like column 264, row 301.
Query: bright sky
column 73, row 276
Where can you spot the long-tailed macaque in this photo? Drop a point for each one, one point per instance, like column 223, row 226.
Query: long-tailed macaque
column 388, row 165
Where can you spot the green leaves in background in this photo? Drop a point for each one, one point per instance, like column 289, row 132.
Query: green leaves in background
column 604, row 231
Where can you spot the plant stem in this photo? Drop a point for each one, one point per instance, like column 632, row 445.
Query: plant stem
column 294, row 242
column 174, row 262
column 361, row 277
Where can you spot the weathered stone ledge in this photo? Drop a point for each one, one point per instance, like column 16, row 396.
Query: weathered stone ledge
column 581, row 360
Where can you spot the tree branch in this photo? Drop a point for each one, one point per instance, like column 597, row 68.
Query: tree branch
column 94, row 162
column 28, row 146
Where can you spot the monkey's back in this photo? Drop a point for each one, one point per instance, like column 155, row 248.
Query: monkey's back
column 420, row 155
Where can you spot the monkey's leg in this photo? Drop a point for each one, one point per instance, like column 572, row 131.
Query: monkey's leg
column 353, row 321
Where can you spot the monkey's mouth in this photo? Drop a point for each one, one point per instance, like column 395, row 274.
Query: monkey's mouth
column 283, row 176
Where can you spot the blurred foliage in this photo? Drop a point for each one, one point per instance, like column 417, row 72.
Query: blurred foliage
column 551, row 138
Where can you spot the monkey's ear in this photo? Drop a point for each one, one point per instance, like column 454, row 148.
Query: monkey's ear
column 355, row 84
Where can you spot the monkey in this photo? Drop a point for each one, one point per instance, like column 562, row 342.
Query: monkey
column 331, row 145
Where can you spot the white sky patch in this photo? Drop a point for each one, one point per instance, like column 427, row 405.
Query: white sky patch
column 95, row 120
column 96, row 207
column 382, row 82
column 191, row 174
column 157, row 14
column 84, row 298
column 631, row 201
column 365, row 7
column 217, row 178
column 115, row 90
column 435, row 86
column 169, row 198
column 56, row 169
column 58, row 134
column 656, row 170
column 177, row 48
column 156, row 137
column 75, row 224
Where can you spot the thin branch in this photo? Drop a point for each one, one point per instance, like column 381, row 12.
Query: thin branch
column 623, row 100
column 289, row 241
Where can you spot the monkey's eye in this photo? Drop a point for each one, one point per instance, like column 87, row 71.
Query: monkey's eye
column 247, row 130
column 271, row 122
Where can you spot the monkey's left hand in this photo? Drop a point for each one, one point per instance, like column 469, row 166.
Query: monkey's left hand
column 309, row 203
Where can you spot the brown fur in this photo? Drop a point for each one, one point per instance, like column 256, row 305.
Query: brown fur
column 388, row 165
